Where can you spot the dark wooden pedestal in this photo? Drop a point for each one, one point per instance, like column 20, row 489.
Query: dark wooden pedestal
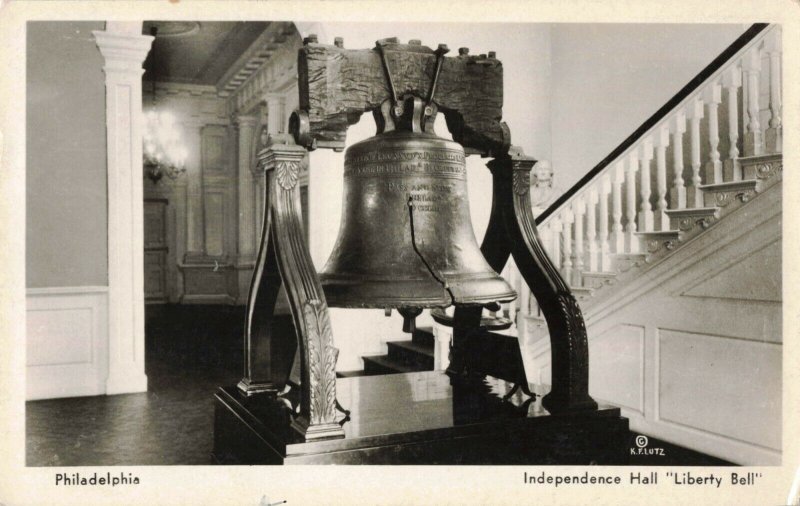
column 419, row 418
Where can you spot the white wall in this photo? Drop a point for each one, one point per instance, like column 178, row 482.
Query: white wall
column 607, row 79
column 66, row 243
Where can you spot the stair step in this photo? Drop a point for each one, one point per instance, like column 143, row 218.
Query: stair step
column 411, row 354
column 596, row 280
column 687, row 219
column 654, row 241
column 761, row 166
column 423, row 336
column 622, row 262
column 350, row 374
column 722, row 194
column 383, row 364
column 581, row 292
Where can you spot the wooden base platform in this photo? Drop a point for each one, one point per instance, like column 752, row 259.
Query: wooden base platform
column 419, row 418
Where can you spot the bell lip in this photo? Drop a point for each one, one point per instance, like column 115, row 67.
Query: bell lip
column 414, row 292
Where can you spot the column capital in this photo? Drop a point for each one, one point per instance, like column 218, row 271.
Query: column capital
column 273, row 98
column 244, row 121
column 123, row 52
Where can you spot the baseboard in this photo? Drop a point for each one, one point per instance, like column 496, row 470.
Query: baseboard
column 126, row 382
column 67, row 341
column 208, row 299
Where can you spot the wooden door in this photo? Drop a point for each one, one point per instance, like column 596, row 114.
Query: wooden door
column 155, row 250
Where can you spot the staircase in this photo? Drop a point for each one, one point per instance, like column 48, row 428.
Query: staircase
column 416, row 354
column 672, row 247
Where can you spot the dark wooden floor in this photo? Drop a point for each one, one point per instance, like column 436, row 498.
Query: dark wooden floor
column 190, row 351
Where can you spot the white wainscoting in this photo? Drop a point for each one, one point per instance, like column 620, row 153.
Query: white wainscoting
column 691, row 349
column 67, row 342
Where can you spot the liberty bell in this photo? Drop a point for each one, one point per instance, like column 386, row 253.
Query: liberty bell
column 406, row 238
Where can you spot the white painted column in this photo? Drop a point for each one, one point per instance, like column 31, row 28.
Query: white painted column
column 732, row 81
column 259, row 189
column 646, row 215
column 678, row 195
column 751, row 65
column 713, row 97
column 662, row 141
column 195, row 236
column 247, row 233
column 275, row 113
column 695, row 114
column 275, row 123
column 773, row 138
column 124, row 51
column 246, row 229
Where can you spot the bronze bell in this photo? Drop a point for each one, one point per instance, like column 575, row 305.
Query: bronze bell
column 406, row 238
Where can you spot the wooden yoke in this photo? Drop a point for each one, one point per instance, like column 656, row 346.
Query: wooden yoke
column 337, row 85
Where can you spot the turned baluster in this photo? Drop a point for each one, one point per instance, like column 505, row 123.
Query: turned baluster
column 751, row 65
column 646, row 213
column 591, row 228
column 662, row 141
column 578, row 209
column 774, row 134
column 616, row 214
column 678, row 194
column 695, row 114
column 713, row 96
column 567, row 219
column 630, row 203
column 732, row 81
column 605, row 253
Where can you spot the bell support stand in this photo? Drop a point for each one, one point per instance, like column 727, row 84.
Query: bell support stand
column 469, row 95
column 512, row 231
column 284, row 258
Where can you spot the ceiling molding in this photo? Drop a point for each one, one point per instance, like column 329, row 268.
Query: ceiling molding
column 256, row 57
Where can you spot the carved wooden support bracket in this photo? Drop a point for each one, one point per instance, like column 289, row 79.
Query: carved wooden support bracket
column 284, row 258
column 512, row 231
column 337, row 85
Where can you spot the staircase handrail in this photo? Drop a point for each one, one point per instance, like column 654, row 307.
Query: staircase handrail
column 710, row 73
